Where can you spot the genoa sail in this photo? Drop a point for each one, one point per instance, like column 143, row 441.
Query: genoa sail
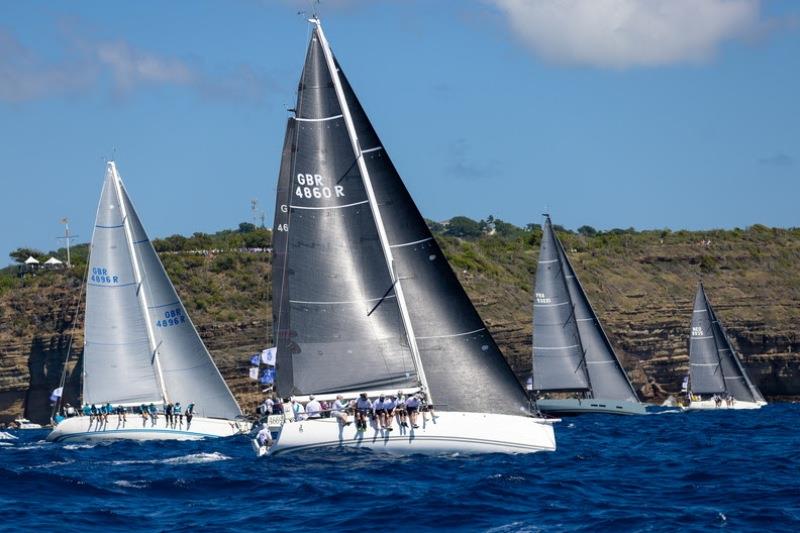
column 352, row 336
column 714, row 367
column 606, row 375
column 172, row 362
column 558, row 356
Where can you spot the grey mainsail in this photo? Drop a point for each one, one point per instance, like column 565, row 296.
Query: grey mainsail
column 339, row 327
column 608, row 378
column 117, row 360
column 558, row 356
column 464, row 369
column 714, row 367
column 167, row 361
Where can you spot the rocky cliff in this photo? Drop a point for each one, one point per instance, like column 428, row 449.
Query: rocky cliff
column 641, row 285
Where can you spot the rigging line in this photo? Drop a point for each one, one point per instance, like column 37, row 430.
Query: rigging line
column 63, row 380
column 382, row 298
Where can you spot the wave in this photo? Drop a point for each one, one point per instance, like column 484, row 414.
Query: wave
column 191, row 459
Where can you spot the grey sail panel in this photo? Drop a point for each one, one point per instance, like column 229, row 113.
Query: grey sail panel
column 280, row 241
column 705, row 371
column 737, row 382
column 344, row 331
column 558, row 363
column 465, row 369
column 189, row 372
column 117, row 358
column 607, row 377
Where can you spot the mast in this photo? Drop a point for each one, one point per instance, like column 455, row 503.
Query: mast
column 141, row 293
column 373, row 204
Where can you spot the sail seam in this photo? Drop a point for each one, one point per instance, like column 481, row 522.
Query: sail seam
column 703, row 337
column 330, row 206
column 343, row 302
column 548, row 261
column 453, row 335
column 165, row 305
column 411, row 243
column 370, row 150
column 108, row 227
column 550, row 305
column 317, row 119
column 555, row 347
column 112, row 286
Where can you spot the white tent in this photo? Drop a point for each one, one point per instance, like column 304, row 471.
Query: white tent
column 53, row 261
column 31, row 261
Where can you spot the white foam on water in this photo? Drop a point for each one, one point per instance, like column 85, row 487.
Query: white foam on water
column 194, row 458
column 80, row 446
column 53, row 464
column 5, row 444
column 140, row 484
column 7, row 436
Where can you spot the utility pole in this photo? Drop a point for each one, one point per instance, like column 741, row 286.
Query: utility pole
column 254, row 210
column 67, row 238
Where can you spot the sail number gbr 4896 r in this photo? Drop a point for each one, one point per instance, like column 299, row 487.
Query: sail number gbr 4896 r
column 313, row 186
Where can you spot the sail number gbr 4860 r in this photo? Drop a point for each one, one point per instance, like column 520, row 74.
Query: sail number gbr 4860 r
column 313, row 186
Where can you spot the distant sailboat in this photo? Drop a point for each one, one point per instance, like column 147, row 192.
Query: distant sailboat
column 717, row 379
column 571, row 352
column 140, row 345
column 364, row 300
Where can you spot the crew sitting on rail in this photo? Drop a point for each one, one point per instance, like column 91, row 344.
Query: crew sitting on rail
column 177, row 415
column 189, row 415
column 389, row 405
column 401, row 409
column 412, row 407
column 340, row 410
column 363, row 408
column 121, row 414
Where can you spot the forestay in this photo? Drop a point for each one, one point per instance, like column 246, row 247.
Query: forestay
column 558, row 357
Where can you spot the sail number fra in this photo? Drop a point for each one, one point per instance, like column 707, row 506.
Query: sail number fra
column 101, row 275
column 313, row 186
column 173, row 317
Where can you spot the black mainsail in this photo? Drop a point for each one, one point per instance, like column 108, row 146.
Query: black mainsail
column 571, row 350
column 714, row 367
column 368, row 299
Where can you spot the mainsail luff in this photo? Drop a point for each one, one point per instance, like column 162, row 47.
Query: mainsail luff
column 606, row 374
column 752, row 388
column 340, row 327
column 559, row 362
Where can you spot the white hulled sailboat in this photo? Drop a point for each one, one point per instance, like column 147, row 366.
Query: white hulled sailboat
column 140, row 346
column 717, row 379
column 364, row 300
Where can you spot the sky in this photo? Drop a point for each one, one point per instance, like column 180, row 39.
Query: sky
column 612, row 113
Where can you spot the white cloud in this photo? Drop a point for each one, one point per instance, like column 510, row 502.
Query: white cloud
column 629, row 33
column 117, row 67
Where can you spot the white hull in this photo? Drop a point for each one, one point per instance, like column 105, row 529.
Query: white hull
column 575, row 406
column 710, row 405
column 448, row 432
column 134, row 428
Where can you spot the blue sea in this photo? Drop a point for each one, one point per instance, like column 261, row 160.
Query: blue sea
column 730, row 471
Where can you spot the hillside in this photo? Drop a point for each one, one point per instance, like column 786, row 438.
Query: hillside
column 641, row 285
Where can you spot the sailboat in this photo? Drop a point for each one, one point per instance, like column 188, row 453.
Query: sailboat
column 364, row 300
column 140, row 345
column 717, row 379
column 571, row 352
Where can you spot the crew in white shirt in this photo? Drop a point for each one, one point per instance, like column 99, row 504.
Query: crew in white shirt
column 340, row 410
column 313, row 408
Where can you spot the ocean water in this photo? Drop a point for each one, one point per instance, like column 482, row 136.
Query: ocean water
column 730, row 471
